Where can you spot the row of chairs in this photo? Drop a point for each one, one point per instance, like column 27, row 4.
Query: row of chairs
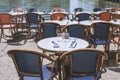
column 80, row 17
column 106, row 16
column 56, row 9
column 81, row 64
column 61, row 15
column 22, row 10
column 50, row 29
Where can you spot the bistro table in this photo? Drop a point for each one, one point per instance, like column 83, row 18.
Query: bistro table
column 50, row 13
column 63, row 22
column 115, row 22
column 63, row 44
column 20, row 16
column 59, row 46
column 96, row 13
column 90, row 22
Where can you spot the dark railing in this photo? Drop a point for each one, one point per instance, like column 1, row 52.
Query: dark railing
column 112, row 3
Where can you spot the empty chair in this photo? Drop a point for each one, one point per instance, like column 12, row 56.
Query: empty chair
column 29, row 64
column 106, row 16
column 115, row 39
column 32, row 10
column 77, row 30
column 59, row 16
column 115, row 9
column 78, row 10
column 82, row 16
column 49, row 29
column 101, row 34
column 6, row 23
column 83, row 64
column 32, row 22
column 58, row 9
column 115, row 16
column 97, row 9
column 17, row 10
column 18, row 18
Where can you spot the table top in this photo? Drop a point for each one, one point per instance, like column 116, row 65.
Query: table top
column 21, row 13
column 63, row 22
column 63, row 45
column 115, row 22
column 57, row 12
column 117, row 12
column 75, row 13
column 16, row 13
column 89, row 22
column 98, row 12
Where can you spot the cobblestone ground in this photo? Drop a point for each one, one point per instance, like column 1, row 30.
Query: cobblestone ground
column 8, row 71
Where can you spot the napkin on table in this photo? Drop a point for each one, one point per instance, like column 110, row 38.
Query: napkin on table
column 54, row 44
column 73, row 44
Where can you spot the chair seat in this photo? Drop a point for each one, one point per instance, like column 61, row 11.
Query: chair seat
column 33, row 25
column 89, row 77
column 99, row 42
column 84, row 78
column 46, row 75
column 8, row 26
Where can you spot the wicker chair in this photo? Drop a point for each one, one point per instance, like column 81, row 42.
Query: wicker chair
column 29, row 65
column 7, row 23
column 83, row 64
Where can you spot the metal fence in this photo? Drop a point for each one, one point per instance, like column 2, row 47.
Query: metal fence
column 112, row 3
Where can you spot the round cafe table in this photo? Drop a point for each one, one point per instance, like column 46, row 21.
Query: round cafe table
column 63, row 45
column 90, row 22
column 63, row 22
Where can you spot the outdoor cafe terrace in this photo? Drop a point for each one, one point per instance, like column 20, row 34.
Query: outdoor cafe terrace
column 55, row 33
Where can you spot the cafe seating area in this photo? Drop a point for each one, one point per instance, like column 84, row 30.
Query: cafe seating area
column 80, row 41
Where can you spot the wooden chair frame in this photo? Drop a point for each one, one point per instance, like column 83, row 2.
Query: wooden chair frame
column 59, row 16
column 41, row 56
column 86, row 30
column 67, row 56
column 6, row 22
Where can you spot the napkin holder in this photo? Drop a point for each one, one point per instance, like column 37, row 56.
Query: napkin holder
column 65, row 35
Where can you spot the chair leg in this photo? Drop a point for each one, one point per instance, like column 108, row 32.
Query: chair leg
column 12, row 32
column 95, row 46
column 117, row 57
column 20, row 77
column 117, row 54
column 27, row 35
column 107, row 48
column 1, row 35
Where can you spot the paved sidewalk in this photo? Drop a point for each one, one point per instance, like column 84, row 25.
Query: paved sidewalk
column 8, row 71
